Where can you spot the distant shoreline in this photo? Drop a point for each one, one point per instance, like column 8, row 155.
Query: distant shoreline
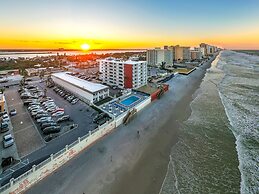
column 64, row 50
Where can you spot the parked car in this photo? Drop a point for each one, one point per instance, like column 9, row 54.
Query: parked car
column 51, row 129
column 4, row 125
column 58, row 109
column 43, row 119
column 5, row 116
column 39, row 112
column 6, row 119
column 28, row 101
column 13, row 112
column 8, row 140
column 48, row 121
column 58, row 114
column 74, row 101
column 3, row 130
column 63, row 118
column 7, row 161
column 3, row 113
column 31, row 108
column 49, row 104
column 34, row 103
column 34, row 112
column 47, row 101
column 39, row 115
column 50, row 107
column 99, row 116
column 44, row 125
column 102, row 121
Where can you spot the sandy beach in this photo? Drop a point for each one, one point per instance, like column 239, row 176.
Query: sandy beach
column 124, row 162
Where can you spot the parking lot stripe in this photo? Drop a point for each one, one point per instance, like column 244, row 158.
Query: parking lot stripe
column 35, row 126
column 23, row 129
column 15, row 104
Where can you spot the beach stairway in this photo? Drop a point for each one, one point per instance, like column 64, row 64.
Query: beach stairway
column 160, row 93
column 128, row 116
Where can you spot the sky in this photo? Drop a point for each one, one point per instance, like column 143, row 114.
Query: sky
column 117, row 24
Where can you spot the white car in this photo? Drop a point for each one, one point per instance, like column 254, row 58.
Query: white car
column 48, row 101
column 8, row 140
column 57, row 114
column 50, row 105
column 5, row 116
column 5, row 119
column 51, row 109
column 43, row 119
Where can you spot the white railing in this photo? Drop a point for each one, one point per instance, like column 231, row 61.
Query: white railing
column 43, row 169
column 35, row 174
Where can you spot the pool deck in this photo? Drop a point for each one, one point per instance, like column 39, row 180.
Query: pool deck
column 116, row 108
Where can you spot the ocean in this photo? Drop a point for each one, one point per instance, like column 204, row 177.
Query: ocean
column 218, row 147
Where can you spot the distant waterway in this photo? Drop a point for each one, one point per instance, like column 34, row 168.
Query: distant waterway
column 26, row 54
column 218, row 147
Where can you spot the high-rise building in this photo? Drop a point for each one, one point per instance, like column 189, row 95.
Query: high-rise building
column 157, row 56
column 209, row 50
column 181, row 53
column 196, row 54
column 124, row 74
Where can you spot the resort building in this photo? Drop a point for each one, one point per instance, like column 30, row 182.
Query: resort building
column 157, row 56
column 196, row 54
column 208, row 49
column 87, row 91
column 124, row 74
column 181, row 53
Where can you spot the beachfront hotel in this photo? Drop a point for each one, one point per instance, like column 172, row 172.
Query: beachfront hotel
column 181, row 53
column 123, row 74
column 157, row 56
column 196, row 53
column 208, row 49
column 167, row 55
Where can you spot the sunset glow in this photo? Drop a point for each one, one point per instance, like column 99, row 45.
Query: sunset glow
column 70, row 24
column 85, row 47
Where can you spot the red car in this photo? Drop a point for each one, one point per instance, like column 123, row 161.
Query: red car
column 58, row 109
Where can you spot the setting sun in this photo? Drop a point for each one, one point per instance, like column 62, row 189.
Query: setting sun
column 85, row 47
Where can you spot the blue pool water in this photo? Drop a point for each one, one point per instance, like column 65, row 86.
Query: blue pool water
column 130, row 100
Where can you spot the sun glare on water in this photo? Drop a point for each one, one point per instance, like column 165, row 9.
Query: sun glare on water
column 85, row 47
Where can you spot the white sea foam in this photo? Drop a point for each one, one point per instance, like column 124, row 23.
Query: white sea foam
column 238, row 92
column 227, row 103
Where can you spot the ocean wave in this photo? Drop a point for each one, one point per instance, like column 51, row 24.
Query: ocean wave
column 239, row 95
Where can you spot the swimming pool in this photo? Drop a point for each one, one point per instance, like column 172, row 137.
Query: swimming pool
column 130, row 100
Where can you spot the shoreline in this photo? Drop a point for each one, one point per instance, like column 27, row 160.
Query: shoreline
column 122, row 162
column 148, row 174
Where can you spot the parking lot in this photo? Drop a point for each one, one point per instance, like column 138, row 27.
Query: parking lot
column 81, row 113
column 26, row 135
column 9, row 151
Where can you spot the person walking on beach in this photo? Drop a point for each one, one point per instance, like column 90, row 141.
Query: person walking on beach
column 138, row 134
column 111, row 158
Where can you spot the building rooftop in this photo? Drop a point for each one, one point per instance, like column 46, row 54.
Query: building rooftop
column 115, row 60
column 89, row 86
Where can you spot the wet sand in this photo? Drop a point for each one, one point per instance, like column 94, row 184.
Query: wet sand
column 149, row 171
column 124, row 163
